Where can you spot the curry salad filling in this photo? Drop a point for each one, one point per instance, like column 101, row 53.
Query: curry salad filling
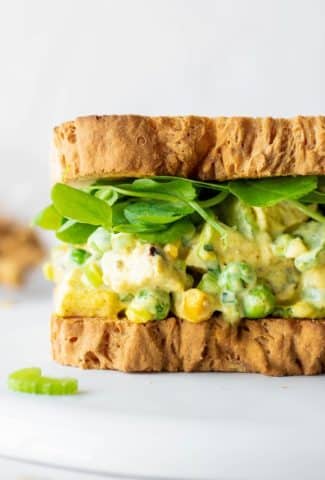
column 149, row 248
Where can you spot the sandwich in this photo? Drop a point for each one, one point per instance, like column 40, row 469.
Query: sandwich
column 188, row 244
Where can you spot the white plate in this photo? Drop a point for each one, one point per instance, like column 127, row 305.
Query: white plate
column 182, row 426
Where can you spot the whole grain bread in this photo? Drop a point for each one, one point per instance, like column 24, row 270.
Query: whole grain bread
column 270, row 346
column 197, row 147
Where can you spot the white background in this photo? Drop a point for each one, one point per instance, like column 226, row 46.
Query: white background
column 63, row 58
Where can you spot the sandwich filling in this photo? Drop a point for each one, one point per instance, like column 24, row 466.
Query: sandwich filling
column 150, row 248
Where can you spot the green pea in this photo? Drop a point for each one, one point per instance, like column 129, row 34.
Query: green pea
column 79, row 256
column 156, row 302
column 236, row 276
column 258, row 302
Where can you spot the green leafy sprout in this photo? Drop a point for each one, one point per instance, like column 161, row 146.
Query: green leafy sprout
column 163, row 209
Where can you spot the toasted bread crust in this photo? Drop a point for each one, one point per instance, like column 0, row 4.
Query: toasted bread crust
column 270, row 346
column 196, row 147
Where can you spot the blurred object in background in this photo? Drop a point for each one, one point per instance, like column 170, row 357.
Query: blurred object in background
column 20, row 251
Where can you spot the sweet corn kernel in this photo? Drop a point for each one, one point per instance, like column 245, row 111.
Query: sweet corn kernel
column 48, row 271
column 303, row 309
column 172, row 250
column 197, row 305
column 138, row 316
column 207, row 255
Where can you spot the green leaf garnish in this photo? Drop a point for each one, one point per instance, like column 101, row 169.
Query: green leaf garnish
column 80, row 206
column 269, row 191
column 49, row 218
column 195, row 183
column 173, row 191
column 128, row 191
column 30, row 380
column 308, row 211
column 181, row 229
column 208, row 216
column 211, row 202
column 314, row 197
column 138, row 228
column 118, row 216
column 74, row 232
column 178, row 188
column 158, row 208
column 156, row 212
column 109, row 195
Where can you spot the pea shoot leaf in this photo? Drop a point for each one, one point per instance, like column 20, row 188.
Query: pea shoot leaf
column 74, row 232
column 81, row 206
column 180, row 229
column 269, row 191
column 156, row 212
column 177, row 188
column 158, row 208
column 49, row 218
column 138, row 228
column 314, row 197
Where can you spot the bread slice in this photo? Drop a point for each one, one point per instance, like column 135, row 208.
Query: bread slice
column 270, row 346
column 197, row 147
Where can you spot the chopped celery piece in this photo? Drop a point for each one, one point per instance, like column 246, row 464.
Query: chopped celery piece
column 93, row 275
column 30, row 380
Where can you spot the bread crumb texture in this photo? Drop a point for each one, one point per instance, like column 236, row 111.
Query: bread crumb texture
column 198, row 147
column 275, row 347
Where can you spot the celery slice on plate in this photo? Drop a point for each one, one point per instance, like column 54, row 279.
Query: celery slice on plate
column 30, row 380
